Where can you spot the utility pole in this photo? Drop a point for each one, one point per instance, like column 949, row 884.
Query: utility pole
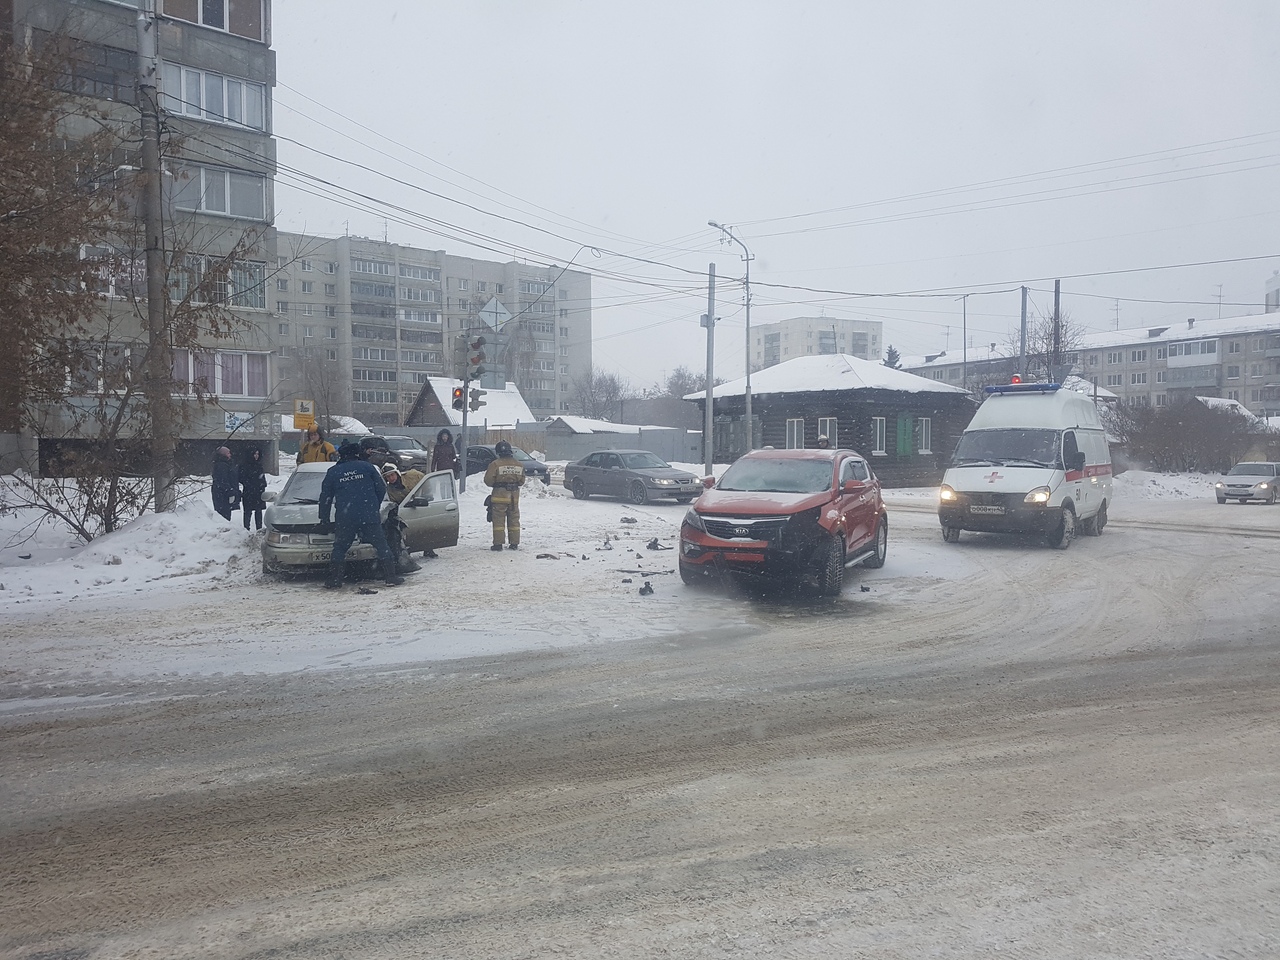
column 747, row 257
column 709, row 321
column 1022, row 339
column 1057, row 330
column 964, row 340
column 159, row 372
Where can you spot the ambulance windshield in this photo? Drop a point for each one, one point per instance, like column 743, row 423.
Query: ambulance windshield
column 1008, row 447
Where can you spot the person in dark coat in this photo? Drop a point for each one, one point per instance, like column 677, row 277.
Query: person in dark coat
column 226, row 484
column 445, row 454
column 253, row 484
column 355, row 488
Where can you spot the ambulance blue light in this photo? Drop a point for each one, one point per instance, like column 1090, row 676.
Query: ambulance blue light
column 1004, row 388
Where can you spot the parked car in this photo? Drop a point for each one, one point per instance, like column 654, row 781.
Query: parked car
column 480, row 455
column 295, row 541
column 637, row 475
column 406, row 452
column 800, row 515
column 1251, row 480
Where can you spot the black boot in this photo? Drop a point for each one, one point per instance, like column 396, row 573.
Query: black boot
column 389, row 575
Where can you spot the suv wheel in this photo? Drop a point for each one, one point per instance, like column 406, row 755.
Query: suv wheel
column 690, row 576
column 950, row 534
column 1093, row 526
column 831, row 572
column 638, row 493
column 579, row 489
column 876, row 560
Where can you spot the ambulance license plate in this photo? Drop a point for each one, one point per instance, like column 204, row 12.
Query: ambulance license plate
column 985, row 508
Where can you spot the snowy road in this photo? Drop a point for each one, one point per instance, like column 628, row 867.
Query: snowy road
column 997, row 749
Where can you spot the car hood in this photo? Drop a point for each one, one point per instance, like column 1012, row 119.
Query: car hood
column 746, row 503
column 665, row 473
column 1248, row 478
column 300, row 517
column 989, row 479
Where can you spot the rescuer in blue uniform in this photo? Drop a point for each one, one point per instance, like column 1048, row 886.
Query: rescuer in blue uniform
column 357, row 489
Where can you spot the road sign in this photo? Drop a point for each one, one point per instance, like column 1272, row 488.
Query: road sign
column 304, row 414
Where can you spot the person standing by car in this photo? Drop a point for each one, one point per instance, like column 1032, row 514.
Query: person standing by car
column 398, row 489
column 226, row 483
column 445, row 455
column 506, row 476
column 355, row 488
column 253, row 484
column 315, row 448
column 823, row 442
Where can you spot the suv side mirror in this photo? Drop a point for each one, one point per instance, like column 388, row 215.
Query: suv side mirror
column 852, row 486
column 269, row 496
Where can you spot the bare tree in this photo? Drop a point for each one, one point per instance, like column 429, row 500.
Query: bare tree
column 1041, row 345
column 1187, row 435
column 597, row 393
column 682, row 381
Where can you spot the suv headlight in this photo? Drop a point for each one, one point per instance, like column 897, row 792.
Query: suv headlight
column 946, row 493
column 1038, row 495
column 692, row 519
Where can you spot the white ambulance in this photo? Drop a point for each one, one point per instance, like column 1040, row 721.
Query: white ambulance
column 1033, row 460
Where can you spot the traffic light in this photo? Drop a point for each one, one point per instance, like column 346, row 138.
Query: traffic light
column 460, row 357
column 476, row 402
column 475, row 358
column 459, row 398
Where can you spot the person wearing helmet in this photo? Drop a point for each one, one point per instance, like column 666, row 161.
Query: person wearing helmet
column 226, row 483
column 355, row 488
column 506, row 476
column 823, row 442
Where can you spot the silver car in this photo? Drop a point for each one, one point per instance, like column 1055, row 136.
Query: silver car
column 294, row 540
column 637, row 475
column 1252, row 480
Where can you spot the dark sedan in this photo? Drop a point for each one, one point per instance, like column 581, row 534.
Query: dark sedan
column 480, row 455
column 637, row 475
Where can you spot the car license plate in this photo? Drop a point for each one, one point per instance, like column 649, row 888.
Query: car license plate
column 985, row 508
column 319, row 556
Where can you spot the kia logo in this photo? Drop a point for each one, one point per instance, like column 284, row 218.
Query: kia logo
column 741, row 531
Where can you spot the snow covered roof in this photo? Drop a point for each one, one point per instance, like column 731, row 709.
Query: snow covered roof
column 1235, row 406
column 1088, row 388
column 505, row 407
column 829, row 372
column 585, row 425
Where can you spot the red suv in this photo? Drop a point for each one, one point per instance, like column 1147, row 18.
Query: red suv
column 796, row 514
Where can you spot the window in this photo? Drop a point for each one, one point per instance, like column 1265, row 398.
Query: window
column 413, row 271
column 461, row 283
column 330, row 311
column 535, row 287
column 306, row 266
column 1233, row 394
column 827, row 426
column 330, row 289
column 1137, row 378
column 211, row 96
column 240, row 284
column 308, row 330
column 563, row 314
column 225, row 373
column 1137, row 356
column 497, row 287
column 564, row 351
column 1162, row 400
column 241, row 17
column 308, row 286
column 421, row 295
column 373, row 353
column 877, row 425
column 1162, row 353
column 382, row 376
column 330, row 267
column 373, row 396
column 282, row 285
column 331, row 355
column 282, row 306
column 282, row 329
column 365, row 288
column 924, row 433
column 1160, row 376
column 214, row 190
column 377, row 267
column 1115, row 379
column 795, row 434
column 306, row 309
column 331, row 333
column 1234, row 347
column 1233, row 373
column 1115, row 356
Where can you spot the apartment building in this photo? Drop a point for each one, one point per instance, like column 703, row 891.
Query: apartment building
column 360, row 324
column 216, row 74
column 1236, row 358
column 774, row 343
column 1273, row 292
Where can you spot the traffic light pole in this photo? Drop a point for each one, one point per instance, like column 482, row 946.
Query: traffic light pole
column 462, row 440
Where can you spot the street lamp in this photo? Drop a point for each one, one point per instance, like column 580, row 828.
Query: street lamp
column 746, row 255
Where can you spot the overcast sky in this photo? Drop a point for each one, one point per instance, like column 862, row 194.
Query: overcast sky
column 857, row 148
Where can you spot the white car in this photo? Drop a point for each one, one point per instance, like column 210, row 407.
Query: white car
column 1252, row 480
column 294, row 539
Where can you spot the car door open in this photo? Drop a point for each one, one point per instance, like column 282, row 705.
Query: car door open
column 430, row 512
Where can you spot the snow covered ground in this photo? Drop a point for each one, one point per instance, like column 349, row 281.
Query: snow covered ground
column 182, row 594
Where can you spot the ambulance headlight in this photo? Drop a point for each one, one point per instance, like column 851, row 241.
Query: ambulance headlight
column 946, row 494
column 1038, row 495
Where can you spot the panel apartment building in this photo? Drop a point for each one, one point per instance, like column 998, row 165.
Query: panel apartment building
column 1237, row 358
column 360, row 324
column 216, row 74
column 773, row 343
